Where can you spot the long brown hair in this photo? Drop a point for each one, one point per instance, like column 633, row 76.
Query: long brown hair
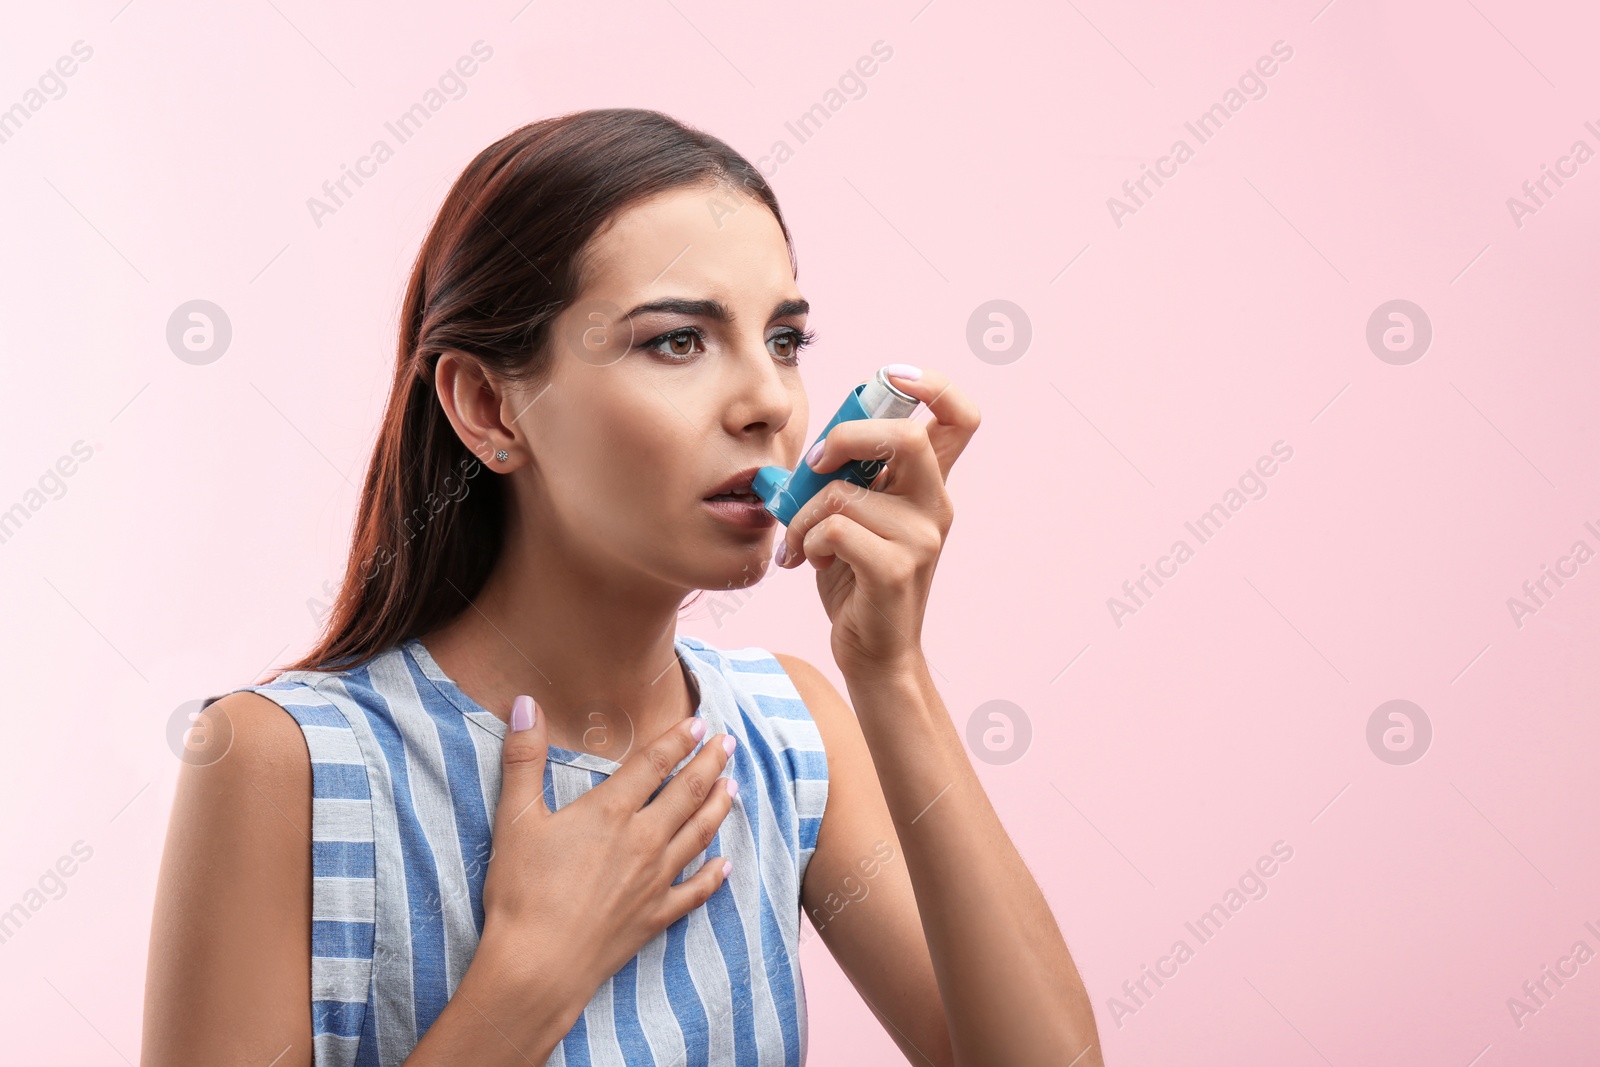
column 502, row 259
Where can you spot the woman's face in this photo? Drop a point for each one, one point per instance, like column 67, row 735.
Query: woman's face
column 675, row 369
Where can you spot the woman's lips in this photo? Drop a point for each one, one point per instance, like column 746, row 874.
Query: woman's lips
column 741, row 510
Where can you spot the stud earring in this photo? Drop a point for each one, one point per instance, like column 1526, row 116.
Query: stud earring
column 502, row 455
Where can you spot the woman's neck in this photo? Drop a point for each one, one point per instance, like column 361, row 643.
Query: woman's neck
column 598, row 659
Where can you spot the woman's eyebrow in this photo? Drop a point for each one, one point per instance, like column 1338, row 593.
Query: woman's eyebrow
column 715, row 310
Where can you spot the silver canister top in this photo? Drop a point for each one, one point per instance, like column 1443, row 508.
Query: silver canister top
column 882, row 400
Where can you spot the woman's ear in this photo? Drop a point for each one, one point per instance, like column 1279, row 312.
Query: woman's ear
column 473, row 402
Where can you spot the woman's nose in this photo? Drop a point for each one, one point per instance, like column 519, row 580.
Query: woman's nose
column 760, row 397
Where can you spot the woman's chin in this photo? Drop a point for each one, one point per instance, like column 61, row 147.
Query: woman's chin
column 734, row 568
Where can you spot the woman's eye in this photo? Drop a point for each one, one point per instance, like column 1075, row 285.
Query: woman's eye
column 680, row 344
column 787, row 345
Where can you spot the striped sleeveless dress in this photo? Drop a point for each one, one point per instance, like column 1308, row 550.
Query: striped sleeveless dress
column 405, row 771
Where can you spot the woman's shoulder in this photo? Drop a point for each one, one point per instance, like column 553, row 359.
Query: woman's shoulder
column 308, row 724
column 772, row 684
column 778, row 676
column 788, row 700
column 330, row 697
column 310, row 764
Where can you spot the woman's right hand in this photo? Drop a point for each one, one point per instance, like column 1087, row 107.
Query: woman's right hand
column 578, row 892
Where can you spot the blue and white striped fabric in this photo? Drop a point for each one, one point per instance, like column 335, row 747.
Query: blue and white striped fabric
column 405, row 781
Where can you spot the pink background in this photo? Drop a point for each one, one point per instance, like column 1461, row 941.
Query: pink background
column 1229, row 312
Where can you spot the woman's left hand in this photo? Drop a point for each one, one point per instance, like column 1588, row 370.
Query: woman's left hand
column 875, row 550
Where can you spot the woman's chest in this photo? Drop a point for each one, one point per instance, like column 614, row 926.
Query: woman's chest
column 721, row 984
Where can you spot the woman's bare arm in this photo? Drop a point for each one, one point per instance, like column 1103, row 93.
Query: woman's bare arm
column 950, row 941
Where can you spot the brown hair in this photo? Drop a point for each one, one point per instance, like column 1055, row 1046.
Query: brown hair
column 502, row 259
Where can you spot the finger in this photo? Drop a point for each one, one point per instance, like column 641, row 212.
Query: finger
column 689, row 788
column 900, row 443
column 955, row 416
column 841, row 537
column 697, row 832
column 891, row 517
column 696, row 889
column 642, row 773
column 522, row 764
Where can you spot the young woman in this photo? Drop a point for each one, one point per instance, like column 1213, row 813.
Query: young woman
column 511, row 816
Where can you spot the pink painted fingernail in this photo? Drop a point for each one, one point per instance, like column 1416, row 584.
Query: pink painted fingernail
column 728, row 744
column 522, row 713
column 726, row 867
column 782, row 551
column 698, row 728
column 815, row 453
column 733, row 787
column 904, row 370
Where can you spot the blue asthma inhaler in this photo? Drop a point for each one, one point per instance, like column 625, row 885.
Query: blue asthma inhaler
column 786, row 492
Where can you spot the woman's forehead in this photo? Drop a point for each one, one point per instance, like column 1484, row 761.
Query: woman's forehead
column 695, row 240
